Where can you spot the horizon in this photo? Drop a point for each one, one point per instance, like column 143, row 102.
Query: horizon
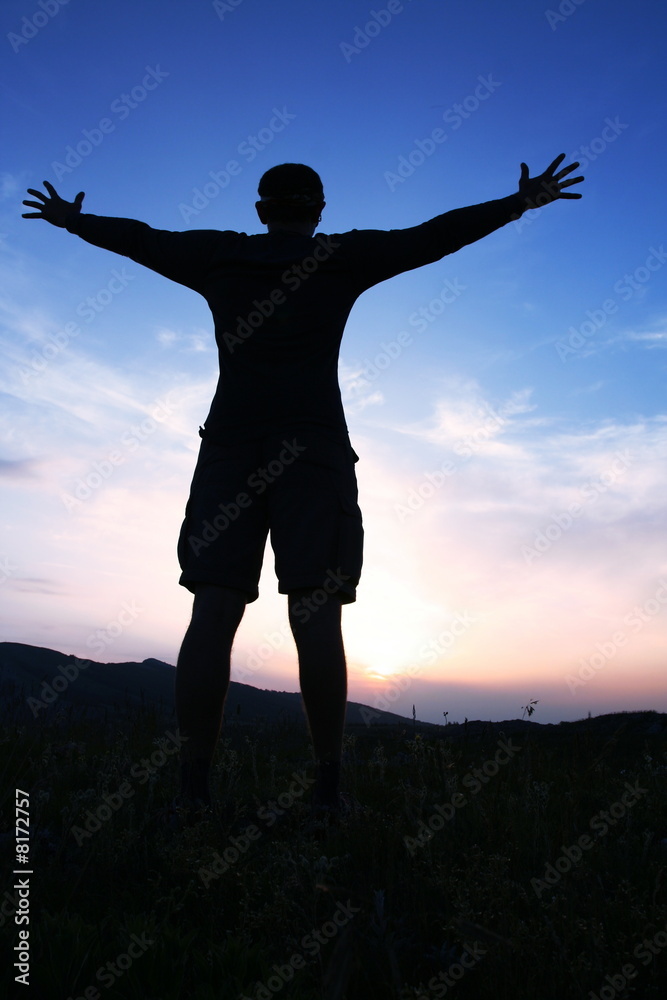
column 507, row 402
column 379, row 704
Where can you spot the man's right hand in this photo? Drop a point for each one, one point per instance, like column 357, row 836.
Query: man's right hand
column 55, row 210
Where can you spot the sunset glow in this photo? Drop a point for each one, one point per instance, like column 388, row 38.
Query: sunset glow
column 507, row 402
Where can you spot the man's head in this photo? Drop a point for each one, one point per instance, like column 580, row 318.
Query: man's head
column 291, row 198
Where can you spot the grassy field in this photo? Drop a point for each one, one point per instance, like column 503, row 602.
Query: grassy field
column 490, row 867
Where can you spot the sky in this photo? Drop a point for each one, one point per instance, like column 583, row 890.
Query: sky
column 507, row 402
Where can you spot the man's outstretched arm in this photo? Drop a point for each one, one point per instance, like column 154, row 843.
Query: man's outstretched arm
column 463, row 226
column 183, row 257
column 379, row 254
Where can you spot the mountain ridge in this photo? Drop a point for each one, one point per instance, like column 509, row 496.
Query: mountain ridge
column 34, row 678
column 44, row 677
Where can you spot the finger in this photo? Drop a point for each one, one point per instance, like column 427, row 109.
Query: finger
column 552, row 166
column 50, row 188
column 566, row 170
column 574, row 180
column 565, row 195
column 33, row 204
column 32, row 215
column 524, row 173
column 38, row 194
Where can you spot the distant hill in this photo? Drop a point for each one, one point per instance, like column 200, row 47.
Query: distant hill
column 36, row 682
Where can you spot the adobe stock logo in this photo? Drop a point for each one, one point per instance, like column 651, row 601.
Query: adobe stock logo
column 454, row 116
column 363, row 36
column 561, row 522
column 625, row 288
column 222, row 7
column 121, row 106
column 566, row 9
column 605, row 650
column 31, row 26
column 601, row 823
column 248, row 148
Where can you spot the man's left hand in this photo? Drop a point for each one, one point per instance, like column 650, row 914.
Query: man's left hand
column 547, row 187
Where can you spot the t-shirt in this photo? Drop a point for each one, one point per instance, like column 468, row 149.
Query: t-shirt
column 280, row 302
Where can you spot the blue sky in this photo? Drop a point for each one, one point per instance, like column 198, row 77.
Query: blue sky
column 512, row 441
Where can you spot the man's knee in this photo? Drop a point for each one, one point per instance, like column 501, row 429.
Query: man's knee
column 304, row 606
column 221, row 604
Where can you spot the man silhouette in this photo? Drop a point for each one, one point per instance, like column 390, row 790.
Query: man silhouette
column 275, row 453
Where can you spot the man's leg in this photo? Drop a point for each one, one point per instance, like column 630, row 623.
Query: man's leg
column 202, row 680
column 323, row 678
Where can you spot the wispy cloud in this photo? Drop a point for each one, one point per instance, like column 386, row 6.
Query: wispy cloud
column 463, row 422
column 357, row 392
column 198, row 340
column 10, row 185
column 650, row 339
column 642, row 339
column 17, row 469
column 586, row 389
column 37, row 585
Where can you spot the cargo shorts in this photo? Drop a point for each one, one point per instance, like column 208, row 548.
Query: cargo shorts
column 297, row 484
